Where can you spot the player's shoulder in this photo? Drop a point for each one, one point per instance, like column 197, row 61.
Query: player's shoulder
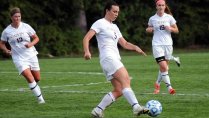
column 25, row 24
column 168, row 15
column 154, row 16
column 7, row 29
column 100, row 21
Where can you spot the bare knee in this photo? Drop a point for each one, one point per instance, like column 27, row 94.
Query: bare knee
column 163, row 66
column 117, row 93
column 36, row 75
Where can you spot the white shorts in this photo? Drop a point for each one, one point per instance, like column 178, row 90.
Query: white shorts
column 110, row 66
column 31, row 63
column 162, row 50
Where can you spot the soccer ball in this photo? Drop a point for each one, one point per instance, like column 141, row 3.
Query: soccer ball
column 155, row 108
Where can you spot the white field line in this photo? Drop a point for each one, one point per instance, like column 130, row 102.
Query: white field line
column 82, row 73
column 47, row 89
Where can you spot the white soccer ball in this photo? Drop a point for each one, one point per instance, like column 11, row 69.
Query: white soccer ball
column 154, row 107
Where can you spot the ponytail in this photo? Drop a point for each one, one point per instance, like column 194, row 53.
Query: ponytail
column 167, row 10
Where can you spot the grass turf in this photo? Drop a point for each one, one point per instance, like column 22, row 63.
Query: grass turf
column 72, row 87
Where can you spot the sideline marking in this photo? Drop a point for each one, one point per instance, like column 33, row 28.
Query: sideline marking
column 44, row 88
column 83, row 73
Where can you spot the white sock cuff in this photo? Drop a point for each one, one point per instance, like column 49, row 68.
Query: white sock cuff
column 112, row 96
column 164, row 73
column 33, row 84
column 126, row 89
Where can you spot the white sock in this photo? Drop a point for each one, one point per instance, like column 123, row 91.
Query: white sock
column 36, row 90
column 107, row 100
column 166, row 79
column 159, row 78
column 130, row 96
column 172, row 58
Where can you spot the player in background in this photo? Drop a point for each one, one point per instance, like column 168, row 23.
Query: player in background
column 24, row 55
column 108, row 36
column 162, row 24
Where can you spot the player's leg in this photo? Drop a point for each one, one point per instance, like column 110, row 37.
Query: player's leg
column 121, row 75
column 177, row 60
column 165, row 68
column 108, row 99
column 33, row 85
column 158, row 53
column 35, row 71
column 165, row 76
column 109, row 67
column 36, row 75
column 157, row 83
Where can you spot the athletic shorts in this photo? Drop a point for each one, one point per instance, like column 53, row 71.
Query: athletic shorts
column 31, row 63
column 162, row 50
column 110, row 66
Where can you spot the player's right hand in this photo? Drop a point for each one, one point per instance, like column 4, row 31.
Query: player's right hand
column 8, row 52
column 87, row 55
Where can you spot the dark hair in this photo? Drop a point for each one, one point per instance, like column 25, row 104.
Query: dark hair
column 108, row 5
column 14, row 11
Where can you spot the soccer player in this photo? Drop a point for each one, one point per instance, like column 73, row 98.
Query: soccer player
column 162, row 24
column 19, row 34
column 108, row 36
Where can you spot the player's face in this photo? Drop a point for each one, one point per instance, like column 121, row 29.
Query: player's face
column 160, row 8
column 113, row 13
column 16, row 18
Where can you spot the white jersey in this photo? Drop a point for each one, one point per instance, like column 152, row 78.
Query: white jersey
column 107, row 35
column 17, row 38
column 161, row 36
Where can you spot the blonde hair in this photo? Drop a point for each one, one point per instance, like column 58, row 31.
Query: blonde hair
column 14, row 11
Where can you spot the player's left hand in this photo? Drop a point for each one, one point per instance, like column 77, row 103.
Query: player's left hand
column 28, row 45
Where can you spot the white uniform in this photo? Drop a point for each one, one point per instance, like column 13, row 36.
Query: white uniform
column 107, row 35
column 23, row 57
column 162, row 41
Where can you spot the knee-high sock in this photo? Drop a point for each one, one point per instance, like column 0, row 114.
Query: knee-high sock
column 107, row 100
column 159, row 78
column 36, row 90
column 166, row 79
column 130, row 96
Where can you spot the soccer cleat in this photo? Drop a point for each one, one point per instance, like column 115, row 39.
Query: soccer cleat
column 41, row 101
column 137, row 111
column 97, row 113
column 157, row 88
column 177, row 60
column 172, row 91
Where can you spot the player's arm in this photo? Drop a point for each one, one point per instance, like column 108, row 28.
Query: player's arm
column 149, row 29
column 130, row 46
column 173, row 28
column 33, row 42
column 4, row 48
column 86, row 39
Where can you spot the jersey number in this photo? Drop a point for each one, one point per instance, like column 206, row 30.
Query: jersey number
column 162, row 27
column 19, row 39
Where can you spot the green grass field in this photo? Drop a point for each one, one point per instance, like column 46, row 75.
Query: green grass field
column 72, row 87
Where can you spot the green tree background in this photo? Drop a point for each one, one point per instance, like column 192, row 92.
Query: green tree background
column 61, row 24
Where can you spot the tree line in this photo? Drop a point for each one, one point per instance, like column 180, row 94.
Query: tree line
column 61, row 24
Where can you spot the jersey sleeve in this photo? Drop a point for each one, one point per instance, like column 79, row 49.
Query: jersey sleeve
column 30, row 30
column 119, row 34
column 150, row 22
column 4, row 36
column 172, row 20
column 96, row 26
